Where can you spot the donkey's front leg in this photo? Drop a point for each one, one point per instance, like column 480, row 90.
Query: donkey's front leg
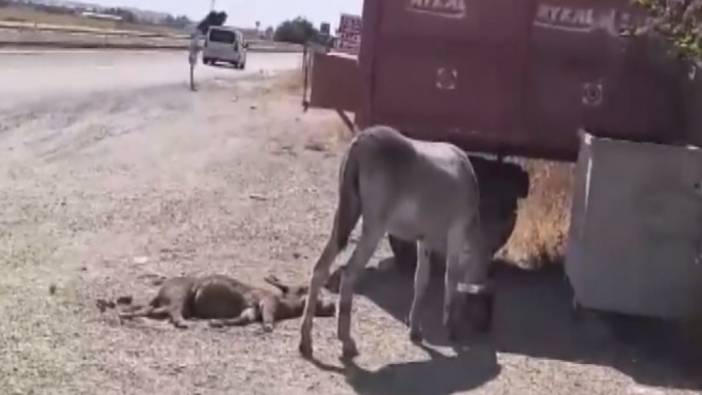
column 370, row 238
column 421, row 280
column 476, row 286
column 450, row 292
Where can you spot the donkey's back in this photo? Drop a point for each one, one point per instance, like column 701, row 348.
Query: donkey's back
column 419, row 189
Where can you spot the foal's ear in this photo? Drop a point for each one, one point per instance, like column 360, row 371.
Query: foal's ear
column 274, row 281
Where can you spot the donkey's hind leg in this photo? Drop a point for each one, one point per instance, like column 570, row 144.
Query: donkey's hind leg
column 421, row 280
column 370, row 238
column 320, row 273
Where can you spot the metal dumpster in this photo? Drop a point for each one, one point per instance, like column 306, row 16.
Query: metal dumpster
column 635, row 240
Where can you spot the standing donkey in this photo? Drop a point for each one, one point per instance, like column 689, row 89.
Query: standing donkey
column 417, row 191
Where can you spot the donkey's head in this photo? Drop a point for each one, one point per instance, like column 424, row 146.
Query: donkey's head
column 473, row 296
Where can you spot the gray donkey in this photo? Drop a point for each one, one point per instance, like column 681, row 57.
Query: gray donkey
column 417, row 191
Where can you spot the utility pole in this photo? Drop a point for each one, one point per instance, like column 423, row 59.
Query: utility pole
column 212, row 4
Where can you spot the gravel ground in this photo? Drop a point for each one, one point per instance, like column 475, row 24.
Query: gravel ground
column 102, row 192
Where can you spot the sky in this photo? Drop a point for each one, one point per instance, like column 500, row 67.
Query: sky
column 245, row 13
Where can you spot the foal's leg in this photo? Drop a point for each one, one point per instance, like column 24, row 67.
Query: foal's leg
column 246, row 317
column 175, row 313
column 370, row 238
column 268, row 308
column 421, row 280
column 319, row 277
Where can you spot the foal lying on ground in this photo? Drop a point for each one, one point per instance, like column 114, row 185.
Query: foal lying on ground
column 226, row 302
column 418, row 191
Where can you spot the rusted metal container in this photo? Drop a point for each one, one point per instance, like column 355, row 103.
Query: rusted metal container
column 511, row 77
column 341, row 68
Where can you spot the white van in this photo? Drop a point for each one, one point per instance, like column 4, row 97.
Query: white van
column 225, row 44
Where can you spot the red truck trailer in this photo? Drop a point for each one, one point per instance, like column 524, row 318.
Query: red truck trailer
column 507, row 79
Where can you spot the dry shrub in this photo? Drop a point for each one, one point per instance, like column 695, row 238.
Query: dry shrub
column 291, row 81
column 325, row 131
column 328, row 135
column 540, row 235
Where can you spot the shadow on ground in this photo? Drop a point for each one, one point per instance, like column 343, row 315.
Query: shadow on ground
column 440, row 375
column 222, row 65
column 533, row 318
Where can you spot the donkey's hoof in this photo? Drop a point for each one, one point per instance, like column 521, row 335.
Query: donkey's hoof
column 416, row 336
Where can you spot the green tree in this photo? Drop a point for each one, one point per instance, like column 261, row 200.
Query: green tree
column 678, row 20
column 298, row 31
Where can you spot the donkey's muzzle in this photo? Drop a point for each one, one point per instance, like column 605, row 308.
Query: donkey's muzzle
column 476, row 301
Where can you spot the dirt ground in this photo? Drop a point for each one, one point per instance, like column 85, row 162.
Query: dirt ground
column 102, row 193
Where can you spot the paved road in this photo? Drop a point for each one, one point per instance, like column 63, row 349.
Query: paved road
column 30, row 75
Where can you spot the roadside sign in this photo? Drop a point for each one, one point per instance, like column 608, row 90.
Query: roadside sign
column 350, row 27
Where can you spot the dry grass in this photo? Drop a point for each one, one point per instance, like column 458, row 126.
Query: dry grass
column 290, row 82
column 325, row 133
column 540, row 234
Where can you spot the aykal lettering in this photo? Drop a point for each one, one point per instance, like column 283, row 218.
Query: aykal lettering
column 445, row 8
column 567, row 18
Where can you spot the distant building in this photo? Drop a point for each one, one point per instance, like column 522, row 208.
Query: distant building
column 349, row 39
column 325, row 28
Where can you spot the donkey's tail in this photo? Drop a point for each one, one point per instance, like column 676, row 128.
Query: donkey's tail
column 349, row 210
